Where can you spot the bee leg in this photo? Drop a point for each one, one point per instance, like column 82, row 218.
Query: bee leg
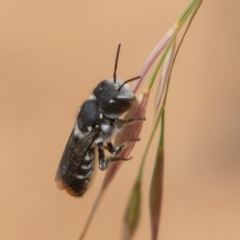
column 120, row 122
column 103, row 162
column 116, row 159
column 115, row 151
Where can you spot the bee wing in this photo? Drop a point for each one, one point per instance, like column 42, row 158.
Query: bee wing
column 74, row 153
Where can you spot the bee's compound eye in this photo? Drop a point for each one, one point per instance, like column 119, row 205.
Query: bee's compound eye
column 120, row 105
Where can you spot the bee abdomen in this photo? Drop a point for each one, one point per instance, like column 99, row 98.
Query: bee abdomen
column 83, row 176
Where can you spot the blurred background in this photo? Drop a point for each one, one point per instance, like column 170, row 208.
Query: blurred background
column 52, row 55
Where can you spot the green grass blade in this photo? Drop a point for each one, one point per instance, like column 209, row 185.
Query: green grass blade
column 157, row 178
column 132, row 213
column 90, row 216
column 156, row 189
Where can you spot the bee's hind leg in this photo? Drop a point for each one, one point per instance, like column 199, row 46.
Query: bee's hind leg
column 105, row 162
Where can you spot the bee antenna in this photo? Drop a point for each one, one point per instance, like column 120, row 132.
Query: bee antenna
column 116, row 63
column 129, row 80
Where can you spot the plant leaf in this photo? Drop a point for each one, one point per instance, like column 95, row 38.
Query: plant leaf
column 152, row 57
column 165, row 74
column 132, row 212
column 156, row 189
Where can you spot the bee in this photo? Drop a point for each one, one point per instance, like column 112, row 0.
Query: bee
column 97, row 121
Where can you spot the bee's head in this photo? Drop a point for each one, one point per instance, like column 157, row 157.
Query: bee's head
column 114, row 98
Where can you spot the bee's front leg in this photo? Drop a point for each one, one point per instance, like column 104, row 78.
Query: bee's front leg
column 117, row 150
column 120, row 122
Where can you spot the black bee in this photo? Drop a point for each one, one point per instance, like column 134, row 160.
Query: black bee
column 97, row 120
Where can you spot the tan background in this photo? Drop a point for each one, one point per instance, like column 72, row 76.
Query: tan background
column 53, row 53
